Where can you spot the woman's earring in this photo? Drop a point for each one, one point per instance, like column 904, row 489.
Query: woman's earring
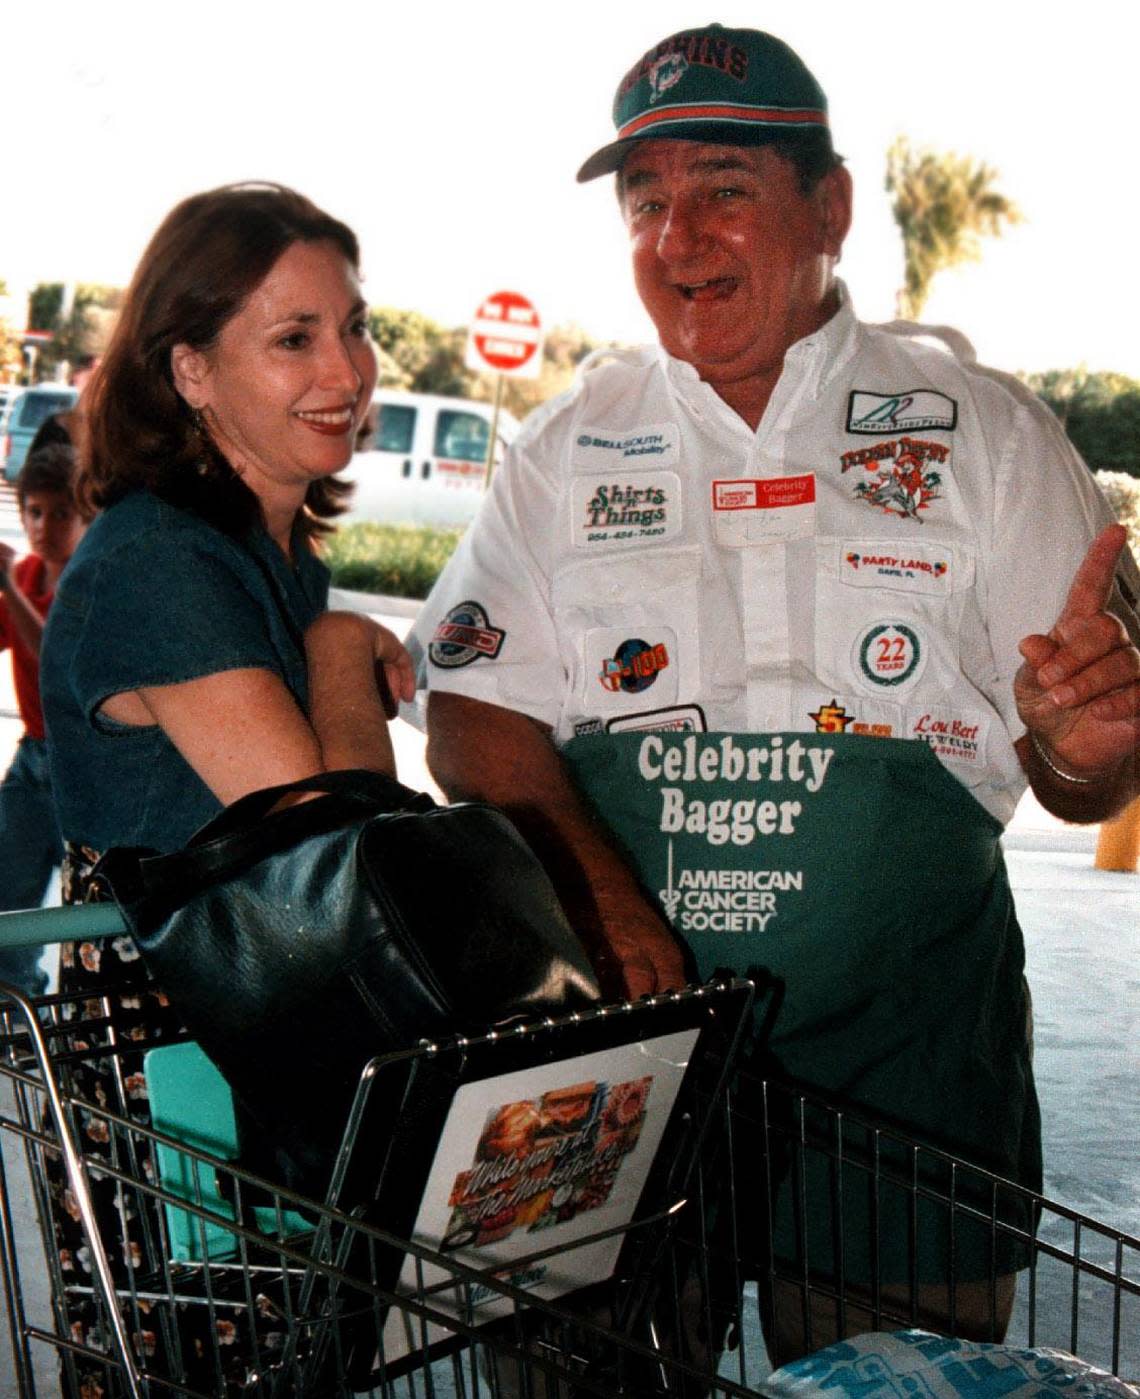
column 198, row 418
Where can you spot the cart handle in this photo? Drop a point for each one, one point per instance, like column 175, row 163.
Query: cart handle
column 72, row 923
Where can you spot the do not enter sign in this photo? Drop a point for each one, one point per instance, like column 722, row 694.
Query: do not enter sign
column 506, row 336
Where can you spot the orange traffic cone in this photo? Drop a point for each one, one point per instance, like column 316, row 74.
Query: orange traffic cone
column 1118, row 846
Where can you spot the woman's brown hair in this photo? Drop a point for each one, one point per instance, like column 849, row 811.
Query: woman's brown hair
column 208, row 255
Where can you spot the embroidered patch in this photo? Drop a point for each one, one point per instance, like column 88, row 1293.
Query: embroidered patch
column 626, row 509
column 634, row 666
column 584, row 727
column 833, row 718
column 900, row 477
column 919, row 568
column 464, row 635
column 602, row 449
column 958, row 737
column 677, row 718
column 877, row 413
column 889, row 655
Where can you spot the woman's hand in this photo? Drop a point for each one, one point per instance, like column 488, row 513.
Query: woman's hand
column 395, row 673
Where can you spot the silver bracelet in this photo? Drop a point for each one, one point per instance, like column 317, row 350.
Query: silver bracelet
column 1052, row 766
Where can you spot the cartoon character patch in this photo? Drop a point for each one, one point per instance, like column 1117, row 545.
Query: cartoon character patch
column 901, row 477
column 464, row 635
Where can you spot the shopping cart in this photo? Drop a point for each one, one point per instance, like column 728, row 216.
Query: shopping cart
column 463, row 1275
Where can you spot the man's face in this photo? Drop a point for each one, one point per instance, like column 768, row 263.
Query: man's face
column 732, row 262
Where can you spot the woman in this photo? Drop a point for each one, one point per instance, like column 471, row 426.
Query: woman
column 190, row 657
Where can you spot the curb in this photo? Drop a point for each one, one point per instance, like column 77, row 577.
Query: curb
column 377, row 603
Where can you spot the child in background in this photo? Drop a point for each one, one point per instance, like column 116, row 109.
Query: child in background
column 30, row 846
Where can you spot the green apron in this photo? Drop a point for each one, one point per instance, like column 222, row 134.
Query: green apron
column 869, row 882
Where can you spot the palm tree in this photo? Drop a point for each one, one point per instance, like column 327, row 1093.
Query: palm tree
column 943, row 204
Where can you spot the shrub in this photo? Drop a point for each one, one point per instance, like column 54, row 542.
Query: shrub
column 1123, row 494
column 399, row 560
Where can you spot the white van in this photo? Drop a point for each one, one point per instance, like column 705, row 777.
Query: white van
column 423, row 459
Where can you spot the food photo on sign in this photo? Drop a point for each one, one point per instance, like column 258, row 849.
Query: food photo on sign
column 533, row 1172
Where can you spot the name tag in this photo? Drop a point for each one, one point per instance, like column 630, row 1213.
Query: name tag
column 752, row 509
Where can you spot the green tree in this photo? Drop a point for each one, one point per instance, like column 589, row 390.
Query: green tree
column 1099, row 411
column 944, row 204
column 84, row 330
column 422, row 356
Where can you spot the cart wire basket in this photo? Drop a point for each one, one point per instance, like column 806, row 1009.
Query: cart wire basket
column 605, row 1204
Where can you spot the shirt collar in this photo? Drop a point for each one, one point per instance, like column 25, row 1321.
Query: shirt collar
column 820, row 355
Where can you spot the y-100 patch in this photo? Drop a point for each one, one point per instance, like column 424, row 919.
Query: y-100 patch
column 463, row 636
column 602, row 449
column 900, row 477
column 877, row 413
column 634, row 667
column 635, row 509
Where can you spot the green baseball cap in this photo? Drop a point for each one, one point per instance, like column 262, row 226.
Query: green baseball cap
column 735, row 87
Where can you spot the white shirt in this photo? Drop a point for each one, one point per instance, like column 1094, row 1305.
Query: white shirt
column 866, row 561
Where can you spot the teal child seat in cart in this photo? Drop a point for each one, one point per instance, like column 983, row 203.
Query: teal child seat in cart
column 191, row 1101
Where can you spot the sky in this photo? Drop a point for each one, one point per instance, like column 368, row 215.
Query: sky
column 447, row 135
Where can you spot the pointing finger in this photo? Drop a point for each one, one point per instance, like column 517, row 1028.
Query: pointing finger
column 1092, row 585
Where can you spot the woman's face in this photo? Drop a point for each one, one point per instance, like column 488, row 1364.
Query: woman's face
column 285, row 386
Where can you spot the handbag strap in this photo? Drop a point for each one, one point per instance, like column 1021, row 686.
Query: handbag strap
column 358, row 786
column 146, row 884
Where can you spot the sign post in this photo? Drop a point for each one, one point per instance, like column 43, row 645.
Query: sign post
column 504, row 338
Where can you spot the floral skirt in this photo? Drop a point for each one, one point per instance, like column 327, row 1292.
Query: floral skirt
column 208, row 1348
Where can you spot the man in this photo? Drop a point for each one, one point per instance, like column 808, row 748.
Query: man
column 754, row 640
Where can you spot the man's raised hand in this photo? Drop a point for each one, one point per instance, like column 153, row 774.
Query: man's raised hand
column 1078, row 690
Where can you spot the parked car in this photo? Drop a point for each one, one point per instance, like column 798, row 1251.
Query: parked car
column 424, row 458
column 25, row 417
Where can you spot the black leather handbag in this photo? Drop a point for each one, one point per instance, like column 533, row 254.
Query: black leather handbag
column 299, row 943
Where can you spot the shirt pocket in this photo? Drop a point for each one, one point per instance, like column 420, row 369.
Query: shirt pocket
column 628, row 631
column 889, row 614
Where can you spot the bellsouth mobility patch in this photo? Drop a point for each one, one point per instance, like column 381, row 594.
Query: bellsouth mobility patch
column 603, row 449
column 464, row 635
column 676, row 718
column 625, row 509
column 889, row 656
column 879, row 413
